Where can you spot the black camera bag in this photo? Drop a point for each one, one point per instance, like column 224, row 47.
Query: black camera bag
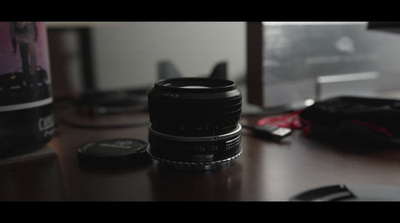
column 359, row 120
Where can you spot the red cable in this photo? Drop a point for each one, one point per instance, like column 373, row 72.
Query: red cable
column 291, row 120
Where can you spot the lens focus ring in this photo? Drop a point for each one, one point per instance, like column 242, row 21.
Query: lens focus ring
column 195, row 112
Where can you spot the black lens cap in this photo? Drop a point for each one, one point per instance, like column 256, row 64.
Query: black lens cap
column 114, row 153
column 351, row 192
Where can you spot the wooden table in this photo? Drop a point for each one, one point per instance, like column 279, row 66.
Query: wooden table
column 266, row 171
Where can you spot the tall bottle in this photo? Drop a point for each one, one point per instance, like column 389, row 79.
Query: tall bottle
column 26, row 118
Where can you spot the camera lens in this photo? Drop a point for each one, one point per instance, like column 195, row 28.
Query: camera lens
column 195, row 122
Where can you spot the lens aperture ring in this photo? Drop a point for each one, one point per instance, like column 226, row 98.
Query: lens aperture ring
column 194, row 149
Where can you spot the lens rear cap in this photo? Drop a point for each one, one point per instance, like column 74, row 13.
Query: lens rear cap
column 114, row 153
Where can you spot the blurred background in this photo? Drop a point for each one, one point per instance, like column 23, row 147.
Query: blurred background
column 282, row 59
column 126, row 54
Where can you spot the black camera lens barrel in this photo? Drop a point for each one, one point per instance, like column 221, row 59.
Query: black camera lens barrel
column 195, row 122
column 194, row 106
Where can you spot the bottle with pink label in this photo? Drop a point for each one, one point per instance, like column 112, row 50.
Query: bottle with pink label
column 26, row 118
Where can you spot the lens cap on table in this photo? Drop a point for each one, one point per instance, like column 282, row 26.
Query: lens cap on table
column 352, row 192
column 114, row 153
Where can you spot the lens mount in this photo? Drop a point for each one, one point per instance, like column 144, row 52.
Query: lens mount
column 206, row 166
